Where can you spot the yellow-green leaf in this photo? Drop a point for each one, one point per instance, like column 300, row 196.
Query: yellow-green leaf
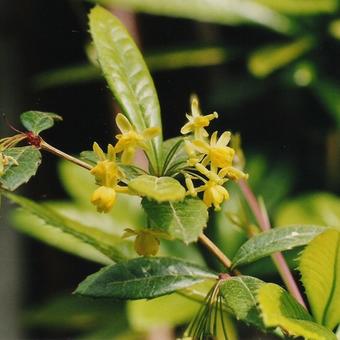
column 270, row 58
column 301, row 7
column 320, row 270
column 279, row 309
column 160, row 189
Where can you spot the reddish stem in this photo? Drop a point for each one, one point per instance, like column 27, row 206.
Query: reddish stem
column 278, row 259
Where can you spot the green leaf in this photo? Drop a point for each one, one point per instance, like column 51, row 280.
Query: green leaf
column 35, row 227
column 144, row 315
column 127, row 75
column 327, row 91
column 318, row 208
column 28, row 159
column 182, row 220
column 76, row 314
column 240, row 298
column 267, row 59
column 37, row 121
column 279, row 309
column 143, row 278
column 174, row 156
column 320, row 271
column 230, row 12
column 301, row 7
column 275, row 240
column 110, row 245
column 160, row 189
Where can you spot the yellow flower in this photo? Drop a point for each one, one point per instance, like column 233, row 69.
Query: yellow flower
column 217, row 152
column 214, row 194
column 104, row 198
column 129, row 140
column 146, row 242
column 197, row 123
column 107, row 175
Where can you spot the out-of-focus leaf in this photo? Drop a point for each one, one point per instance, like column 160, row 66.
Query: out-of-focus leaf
column 182, row 220
column 159, row 60
column 320, row 271
column 334, row 29
column 275, row 240
column 180, row 250
column 160, row 189
column 267, row 59
column 37, row 121
column 38, row 229
column 143, row 278
column 317, row 208
column 240, row 298
column 110, row 245
column 28, row 159
column 74, row 313
column 80, row 185
column 279, row 309
column 301, row 7
column 147, row 314
column 68, row 75
column 328, row 92
column 229, row 12
column 271, row 181
column 179, row 58
column 127, row 75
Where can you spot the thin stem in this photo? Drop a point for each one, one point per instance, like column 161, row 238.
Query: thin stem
column 215, row 250
column 59, row 153
column 262, row 218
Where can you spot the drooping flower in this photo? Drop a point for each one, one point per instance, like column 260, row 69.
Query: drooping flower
column 217, row 153
column 129, row 140
column 197, row 122
column 107, row 175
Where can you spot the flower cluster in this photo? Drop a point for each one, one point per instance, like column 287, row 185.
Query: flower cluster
column 212, row 158
column 107, row 173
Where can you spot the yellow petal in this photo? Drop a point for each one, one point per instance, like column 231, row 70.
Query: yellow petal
column 128, row 155
column 111, row 153
column 224, row 139
column 195, row 110
column 201, row 146
column 151, row 132
column 187, row 128
column 123, row 123
column 99, row 151
column 213, row 139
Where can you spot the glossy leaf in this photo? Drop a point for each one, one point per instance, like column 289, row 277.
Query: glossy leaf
column 37, row 121
column 275, row 240
column 279, row 309
column 240, row 298
column 28, row 159
column 143, row 278
column 182, row 220
column 160, row 189
column 270, row 58
column 301, row 7
column 110, row 245
column 318, row 208
column 320, row 272
column 127, row 75
column 228, row 12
